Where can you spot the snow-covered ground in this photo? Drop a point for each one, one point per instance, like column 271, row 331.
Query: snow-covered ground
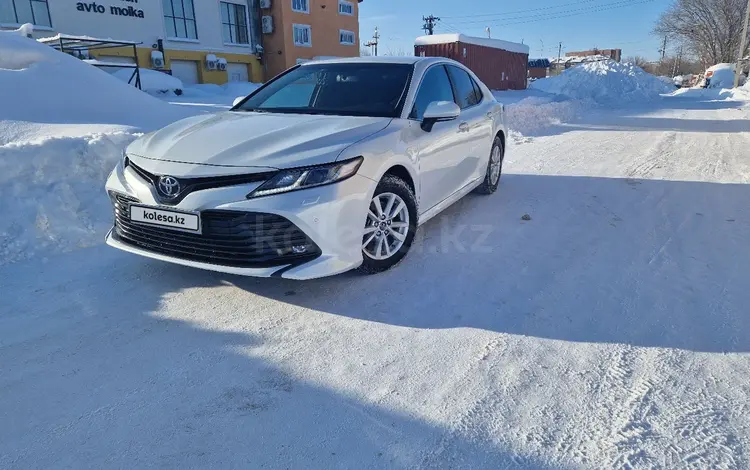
column 609, row 331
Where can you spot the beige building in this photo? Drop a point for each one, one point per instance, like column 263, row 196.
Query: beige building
column 308, row 29
column 200, row 41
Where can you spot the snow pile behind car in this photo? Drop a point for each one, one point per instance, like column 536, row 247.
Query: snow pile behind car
column 606, row 82
column 721, row 76
column 152, row 81
column 41, row 85
column 533, row 112
column 63, row 125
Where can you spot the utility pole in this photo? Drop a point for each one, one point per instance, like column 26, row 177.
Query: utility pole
column 677, row 62
column 663, row 49
column 374, row 43
column 559, row 57
column 743, row 43
column 429, row 24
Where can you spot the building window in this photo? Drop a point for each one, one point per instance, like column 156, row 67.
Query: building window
column 346, row 8
column 346, row 37
column 302, row 35
column 179, row 19
column 35, row 12
column 234, row 23
column 301, row 6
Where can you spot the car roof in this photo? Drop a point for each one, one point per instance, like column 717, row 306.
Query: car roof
column 378, row 60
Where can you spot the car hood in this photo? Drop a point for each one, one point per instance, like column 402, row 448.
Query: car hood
column 248, row 139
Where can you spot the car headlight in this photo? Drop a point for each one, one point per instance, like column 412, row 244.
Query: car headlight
column 307, row 177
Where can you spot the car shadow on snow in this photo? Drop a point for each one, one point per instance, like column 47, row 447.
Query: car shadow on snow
column 656, row 123
column 536, row 121
column 100, row 369
column 602, row 260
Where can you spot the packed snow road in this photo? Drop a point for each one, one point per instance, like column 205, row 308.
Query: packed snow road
column 609, row 331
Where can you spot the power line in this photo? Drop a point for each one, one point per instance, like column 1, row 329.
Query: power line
column 450, row 27
column 564, row 5
column 597, row 10
column 616, row 4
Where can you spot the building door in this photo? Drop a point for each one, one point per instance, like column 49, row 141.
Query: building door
column 237, row 73
column 185, row 70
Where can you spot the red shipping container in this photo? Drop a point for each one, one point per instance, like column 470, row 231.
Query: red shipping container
column 501, row 65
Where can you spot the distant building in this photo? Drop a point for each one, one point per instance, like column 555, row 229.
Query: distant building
column 539, row 68
column 614, row 54
column 501, row 65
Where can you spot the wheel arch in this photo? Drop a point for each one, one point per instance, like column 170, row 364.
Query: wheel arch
column 400, row 171
column 500, row 133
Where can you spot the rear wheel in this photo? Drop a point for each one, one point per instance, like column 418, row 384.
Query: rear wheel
column 390, row 226
column 494, row 168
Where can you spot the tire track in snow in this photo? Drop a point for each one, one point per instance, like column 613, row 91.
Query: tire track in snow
column 470, row 425
column 657, row 158
column 618, row 422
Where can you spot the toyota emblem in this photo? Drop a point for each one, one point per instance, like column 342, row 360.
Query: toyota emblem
column 169, row 186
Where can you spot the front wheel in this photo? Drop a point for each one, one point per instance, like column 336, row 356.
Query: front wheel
column 494, row 168
column 390, row 226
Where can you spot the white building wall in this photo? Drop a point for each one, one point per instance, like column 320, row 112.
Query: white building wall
column 68, row 19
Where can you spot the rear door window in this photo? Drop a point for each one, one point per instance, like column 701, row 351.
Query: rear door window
column 463, row 86
column 435, row 86
column 477, row 90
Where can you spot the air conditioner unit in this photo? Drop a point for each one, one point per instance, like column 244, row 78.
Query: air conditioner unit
column 221, row 64
column 265, row 4
column 157, row 59
column 211, row 62
column 267, row 23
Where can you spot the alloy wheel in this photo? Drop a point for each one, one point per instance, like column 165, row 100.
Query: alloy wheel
column 496, row 165
column 387, row 226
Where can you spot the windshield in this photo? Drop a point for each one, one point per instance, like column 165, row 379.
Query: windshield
column 346, row 89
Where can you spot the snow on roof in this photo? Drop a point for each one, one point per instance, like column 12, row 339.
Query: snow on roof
column 487, row 42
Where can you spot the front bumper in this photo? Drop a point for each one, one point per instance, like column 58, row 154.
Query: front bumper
column 331, row 216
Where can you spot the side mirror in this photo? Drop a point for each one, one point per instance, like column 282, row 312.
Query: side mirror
column 439, row 111
column 237, row 100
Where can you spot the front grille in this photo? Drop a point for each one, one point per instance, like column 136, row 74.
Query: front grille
column 190, row 185
column 228, row 238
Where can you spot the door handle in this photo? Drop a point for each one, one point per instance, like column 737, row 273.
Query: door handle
column 463, row 127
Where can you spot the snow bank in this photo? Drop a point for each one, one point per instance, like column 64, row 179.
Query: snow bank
column 63, row 125
column 51, row 194
column 240, row 88
column 721, row 76
column 606, row 82
column 231, row 89
column 151, row 80
column 531, row 112
column 41, row 85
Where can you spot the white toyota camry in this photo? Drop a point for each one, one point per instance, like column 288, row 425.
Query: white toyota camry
column 328, row 167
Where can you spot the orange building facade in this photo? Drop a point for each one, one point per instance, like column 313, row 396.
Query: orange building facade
column 298, row 30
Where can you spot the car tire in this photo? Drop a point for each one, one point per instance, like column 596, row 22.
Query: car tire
column 492, row 180
column 390, row 251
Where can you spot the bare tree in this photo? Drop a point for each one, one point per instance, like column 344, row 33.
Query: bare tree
column 397, row 51
column 638, row 60
column 710, row 29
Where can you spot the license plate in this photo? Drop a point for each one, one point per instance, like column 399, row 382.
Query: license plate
column 165, row 218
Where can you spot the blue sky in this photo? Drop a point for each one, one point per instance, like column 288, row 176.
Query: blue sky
column 542, row 24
